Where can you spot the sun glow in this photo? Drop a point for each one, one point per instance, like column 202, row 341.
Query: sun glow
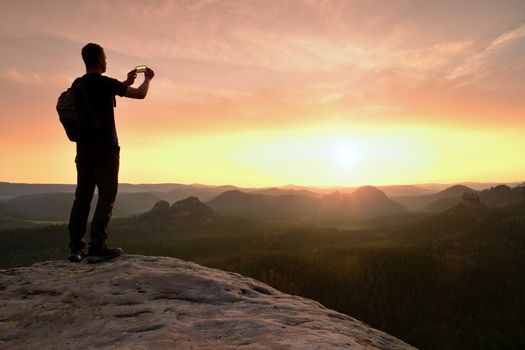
column 251, row 157
column 344, row 154
column 322, row 155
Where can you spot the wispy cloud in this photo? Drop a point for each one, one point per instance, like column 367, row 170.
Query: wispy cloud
column 32, row 78
column 167, row 89
column 472, row 68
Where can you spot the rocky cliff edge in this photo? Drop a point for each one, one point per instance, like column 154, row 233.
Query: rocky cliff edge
column 143, row 302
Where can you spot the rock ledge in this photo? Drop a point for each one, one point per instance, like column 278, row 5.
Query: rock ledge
column 142, row 302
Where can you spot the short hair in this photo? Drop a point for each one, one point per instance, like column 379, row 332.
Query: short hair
column 91, row 54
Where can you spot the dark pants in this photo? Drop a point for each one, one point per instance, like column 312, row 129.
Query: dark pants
column 97, row 165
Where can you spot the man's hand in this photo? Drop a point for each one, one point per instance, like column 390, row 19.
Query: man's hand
column 149, row 74
column 142, row 90
column 131, row 78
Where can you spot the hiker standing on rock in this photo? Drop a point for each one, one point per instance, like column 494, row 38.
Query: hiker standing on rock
column 97, row 158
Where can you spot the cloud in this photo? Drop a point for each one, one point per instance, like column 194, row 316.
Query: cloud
column 473, row 67
column 31, row 78
column 14, row 75
column 167, row 89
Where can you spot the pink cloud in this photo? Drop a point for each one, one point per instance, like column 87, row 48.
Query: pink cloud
column 473, row 66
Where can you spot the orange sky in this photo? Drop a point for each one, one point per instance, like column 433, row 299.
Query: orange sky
column 257, row 93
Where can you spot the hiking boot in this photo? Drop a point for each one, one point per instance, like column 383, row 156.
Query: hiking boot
column 76, row 254
column 104, row 253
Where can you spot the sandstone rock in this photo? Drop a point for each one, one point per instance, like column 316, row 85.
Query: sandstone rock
column 189, row 212
column 193, row 210
column 161, row 206
column 471, row 198
column 141, row 302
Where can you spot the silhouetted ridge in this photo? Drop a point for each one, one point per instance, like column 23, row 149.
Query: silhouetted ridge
column 456, row 190
column 369, row 192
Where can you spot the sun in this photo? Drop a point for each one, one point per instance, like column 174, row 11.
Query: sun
column 344, row 154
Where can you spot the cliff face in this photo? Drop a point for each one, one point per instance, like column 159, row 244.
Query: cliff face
column 141, row 302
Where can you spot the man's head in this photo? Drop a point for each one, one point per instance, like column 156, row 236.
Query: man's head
column 94, row 57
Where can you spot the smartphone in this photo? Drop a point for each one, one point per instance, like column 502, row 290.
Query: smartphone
column 141, row 69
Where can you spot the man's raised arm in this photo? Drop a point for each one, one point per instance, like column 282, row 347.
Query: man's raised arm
column 142, row 90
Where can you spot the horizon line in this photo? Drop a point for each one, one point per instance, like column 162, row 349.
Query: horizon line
column 286, row 185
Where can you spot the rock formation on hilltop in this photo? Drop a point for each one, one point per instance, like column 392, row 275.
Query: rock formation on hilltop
column 161, row 206
column 470, row 207
column 472, row 199
column 501, row 195
column 140, row 302
column 189, row 212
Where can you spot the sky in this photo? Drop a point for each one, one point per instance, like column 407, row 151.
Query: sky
column 269, row 93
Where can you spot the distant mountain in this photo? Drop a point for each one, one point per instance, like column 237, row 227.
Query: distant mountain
column 275, row 191
column 8, row 189
column 44, row 206
column 238, row 203
column 57, row 206
column 455, row 190
column 168, row 187
column 365, row 202
column 317, row 190
column 498, row 196
column 480, row 186
column 205, row 193
column 296, row 202
column 296, row 187
column 133, row 203
column 404, row 190
column 435, row 202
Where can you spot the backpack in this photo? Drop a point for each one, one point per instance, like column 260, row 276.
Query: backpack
column 75, row 111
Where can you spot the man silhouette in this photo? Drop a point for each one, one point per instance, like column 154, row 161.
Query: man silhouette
column 98, row 154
